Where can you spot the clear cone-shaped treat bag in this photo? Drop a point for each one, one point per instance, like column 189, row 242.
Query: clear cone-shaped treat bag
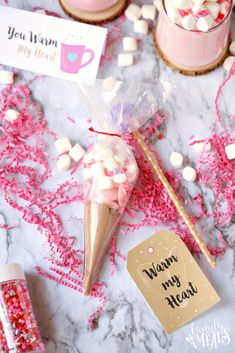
column 110, row 170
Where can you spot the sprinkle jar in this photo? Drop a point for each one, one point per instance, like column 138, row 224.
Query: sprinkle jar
column 18, row 328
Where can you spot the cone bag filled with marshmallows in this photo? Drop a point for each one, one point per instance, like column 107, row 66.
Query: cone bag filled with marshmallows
column 110, row 170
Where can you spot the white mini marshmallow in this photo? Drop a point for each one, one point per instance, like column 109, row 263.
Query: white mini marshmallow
column 148, row 12
column 141, row 27
column 232, row 48
column 88, row 157
column 105, row 183
column 173, row 15
column 205, row 23
column 64, row 162
column 133, row 12
column 132, row 172
column 224, row 8
column 120, row 158
column 197, row 7
column 189, row 174
column 230, row 151
column 199, row 2
column 12, row 115
column 77, row 153
column 129, row 44
column 108, row 96
column 214, row 9
column 98, row 170
column 109, row 83
column 63, row 145
column 203, row 146
column 125, row 59
column 157, row 4
column 119, row 178
column 110, row 164
column 6, row 77
column 103, row 153
column 228, row 62
column 182, row 4
column 176, row 160
column 188, row 22
column 87, row 173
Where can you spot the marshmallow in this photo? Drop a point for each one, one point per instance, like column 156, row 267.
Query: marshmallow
column 197, row 7
column 110, row 164
column 205, row 23
column 188, row 22
column 105, row 183
column 133, row 12
column 63, row 145
column 87, row 173
column 141, row 27
column 12, row 115
column 173, row 15
column 199, row 2
column 176, row 160
column 125, row 59
column 129, row 44
column 189, row 174
column 230, row 151
column 120, row 158
column 77, row 152
column 232, row 48
column 109, row 83
column 6, row 77
column 203, row 146
column 157, row 4
column 110, row 95
column 119, row 178
column 98, row 169
column 132, row 172
column 64, row 162
column 224, row 8
column 148, row 12
column 228, row 62
column 102, row 153
column 214, row 9
column 182, row 4
column 88, row 157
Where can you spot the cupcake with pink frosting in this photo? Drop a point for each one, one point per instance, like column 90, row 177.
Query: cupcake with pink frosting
column 192, row 36
column 94, row 11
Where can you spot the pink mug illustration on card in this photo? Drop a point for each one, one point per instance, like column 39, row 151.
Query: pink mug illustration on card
column 75, row 57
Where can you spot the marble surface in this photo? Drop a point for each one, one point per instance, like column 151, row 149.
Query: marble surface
column 127, row 325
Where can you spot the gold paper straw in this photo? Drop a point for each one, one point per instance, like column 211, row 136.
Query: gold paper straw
column 150, row 156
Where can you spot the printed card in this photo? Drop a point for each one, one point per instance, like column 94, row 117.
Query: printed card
column 170, row 280
column 51, row 46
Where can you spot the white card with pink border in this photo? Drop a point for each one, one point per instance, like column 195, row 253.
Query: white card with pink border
column 50, row 46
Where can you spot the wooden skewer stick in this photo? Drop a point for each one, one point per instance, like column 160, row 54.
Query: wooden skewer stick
column 150, row 156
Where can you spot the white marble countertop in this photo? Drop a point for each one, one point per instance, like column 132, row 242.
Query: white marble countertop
column 127, row 325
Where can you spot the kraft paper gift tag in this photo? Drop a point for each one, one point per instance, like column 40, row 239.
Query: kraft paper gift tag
column 170, row 280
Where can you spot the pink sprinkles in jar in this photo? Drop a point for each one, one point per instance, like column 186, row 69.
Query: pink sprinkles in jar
column 18, row 328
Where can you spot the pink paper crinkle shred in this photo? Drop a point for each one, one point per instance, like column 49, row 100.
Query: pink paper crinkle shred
column 25, row 165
